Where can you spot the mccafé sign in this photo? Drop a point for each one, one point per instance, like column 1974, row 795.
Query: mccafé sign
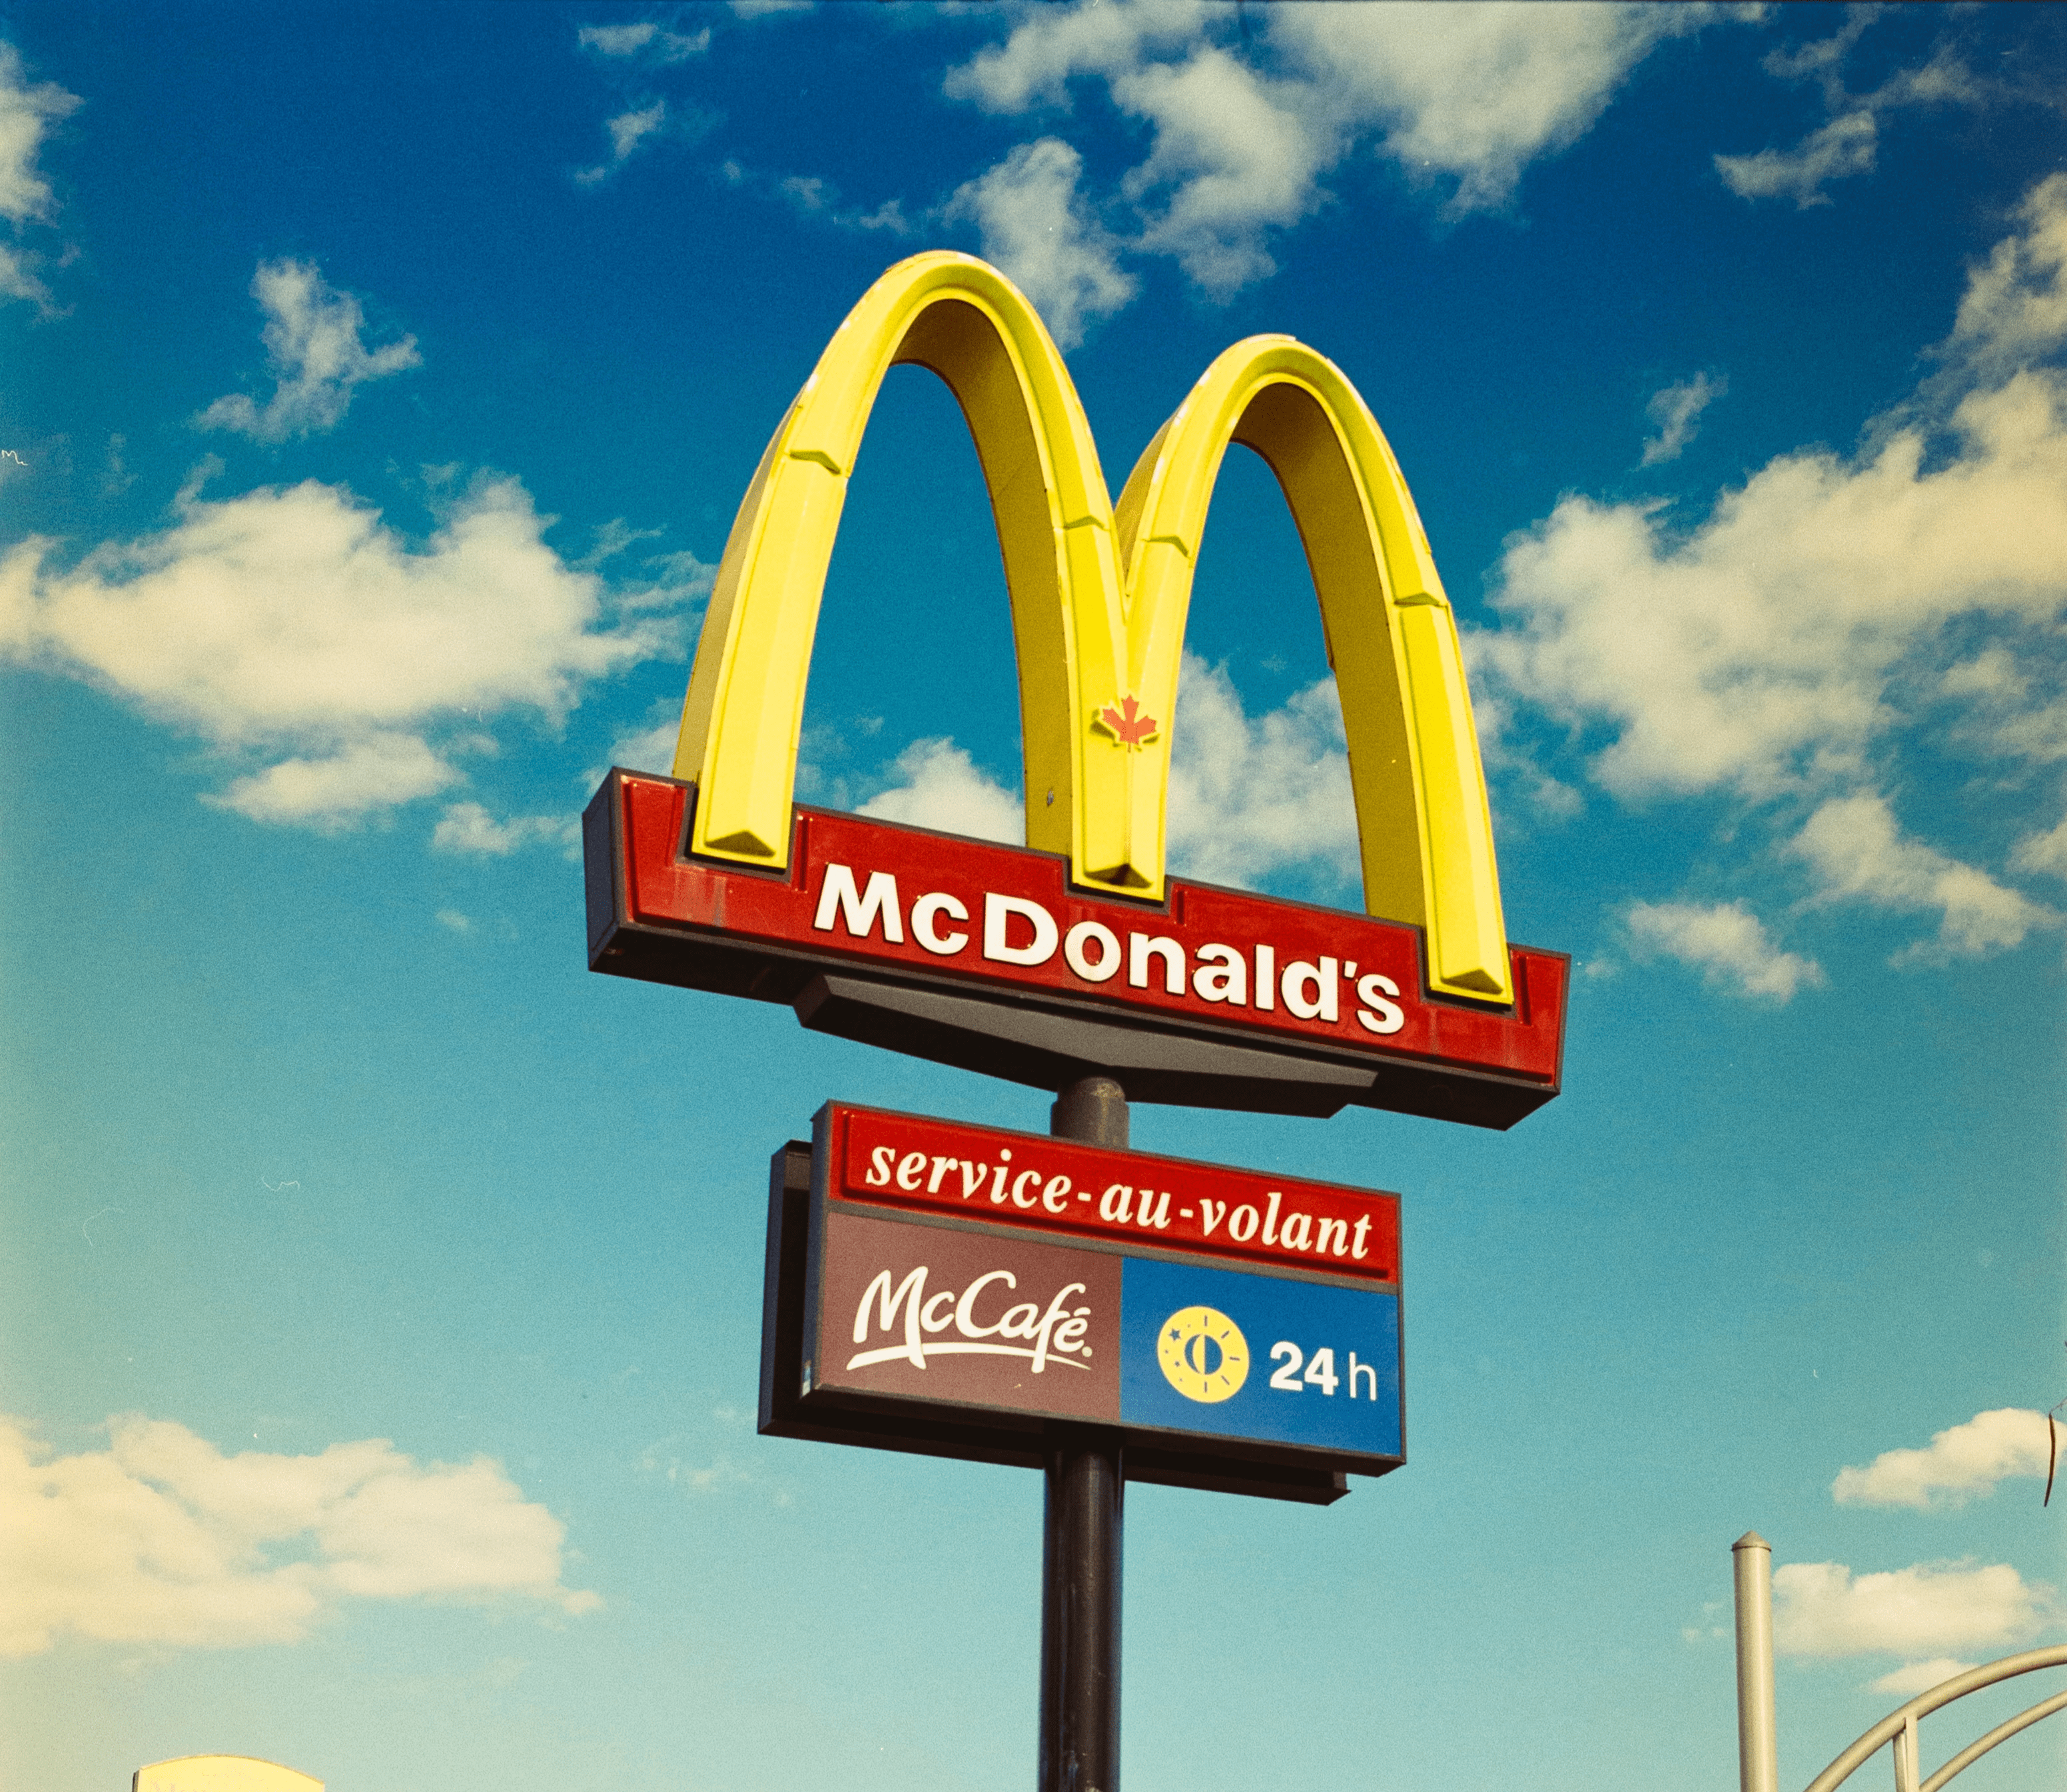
column 951, row 1288
column 1078, row 953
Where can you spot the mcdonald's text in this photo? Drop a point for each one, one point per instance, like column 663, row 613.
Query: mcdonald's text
column 982, row 923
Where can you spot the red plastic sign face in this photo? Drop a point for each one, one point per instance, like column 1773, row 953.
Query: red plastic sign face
column 902, row 904
column 1130, row 1199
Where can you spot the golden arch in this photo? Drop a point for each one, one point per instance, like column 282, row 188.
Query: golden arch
column 220, row 1773
column 1099, row 600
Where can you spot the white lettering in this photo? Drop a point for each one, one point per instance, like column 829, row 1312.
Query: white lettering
column 924, row 912
column 911, row 1169
column 857, row 909
column 1160, row 1220
column 1266, row 978
column 998, row 913
column 878, row 1167
column 1210, row 1211
column 965, row 1310
column 1299, row 975
column 1331, row 1236
column 1241, row 1227
column 1298, row 1233
column 1141, row 949
column 1117, row 1211
column 1055, row 1197
column 911, row 1293
column 973, row 1176
column 941, row 1166
column 1389, row 1017
column 1019, row 1183
column 1362, row 1226
column 1270, row 1220
column 1079, row 961
column 1228, row 983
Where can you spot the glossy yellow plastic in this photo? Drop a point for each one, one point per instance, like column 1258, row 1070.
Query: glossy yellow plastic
column 1099, row 600
column 220, row 1773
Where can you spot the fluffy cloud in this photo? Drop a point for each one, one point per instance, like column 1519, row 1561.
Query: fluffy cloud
column 1962, row 1463
column 292, row 622
column 939, row 786
column 1821, row 1608
column 1675, row 410
column 644, row 42
column 312, row 341
column 1252, row 799
column 1913, row 1677
column 1858, row 851
column 469, row 827
column 1256, row 798
column 1464, row 96
column 1725, row 942
column 163, row 1539
column 626, row 131
column 1787, row 650
column 26, row 114
column 1848, row 143
column 1037, row 227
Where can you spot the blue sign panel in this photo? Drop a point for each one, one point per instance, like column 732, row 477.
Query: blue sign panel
column 1260, row 1357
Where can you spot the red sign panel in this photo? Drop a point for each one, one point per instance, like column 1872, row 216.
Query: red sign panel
column 1130, row 1198
column 915, row 908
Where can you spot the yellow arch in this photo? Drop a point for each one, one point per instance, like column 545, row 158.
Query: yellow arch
column 220, row 1773
column 743, row 712
column 1422, row 820
column 1098, row 610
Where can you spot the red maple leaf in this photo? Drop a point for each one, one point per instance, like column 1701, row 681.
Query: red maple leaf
column 1126, row 724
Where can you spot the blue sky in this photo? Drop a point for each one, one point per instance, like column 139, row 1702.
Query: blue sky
column 379, row 1301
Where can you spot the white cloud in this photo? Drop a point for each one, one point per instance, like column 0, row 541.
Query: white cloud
column 469, row 827
column 1676, row 411
column 1913, row 1677
column 453, row 918
column 628, row 130
column 1726, row 943
column 1821, row 1608
column 1796, row 648
column 1251, row 799
column 163, row 1539
column 1036, row 228
column 26, row 113
column 940, row 786
column 1844, row 147
column 2015, row 307
column 381, row 772
column 1961, row 1463
column 312, row 341
column 1857, row 850
column 1465, row 95
column 645, row 40
column 2045, row 852
column 292, row 622
column 1475, row 92
column 1848, row 144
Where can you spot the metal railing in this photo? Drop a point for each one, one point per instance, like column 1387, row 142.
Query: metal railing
column 1758, row 1767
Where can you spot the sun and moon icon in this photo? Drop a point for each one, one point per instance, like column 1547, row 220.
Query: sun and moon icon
column 1203, row 1353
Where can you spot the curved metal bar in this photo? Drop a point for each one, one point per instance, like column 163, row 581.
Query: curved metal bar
column 1840, row 1769
column 2002, row 1733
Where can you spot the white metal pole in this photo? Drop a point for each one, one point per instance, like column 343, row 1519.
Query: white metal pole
column 1758, row 1747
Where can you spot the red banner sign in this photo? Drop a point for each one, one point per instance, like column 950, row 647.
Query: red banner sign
column 925, row 909
column 1130, row 1198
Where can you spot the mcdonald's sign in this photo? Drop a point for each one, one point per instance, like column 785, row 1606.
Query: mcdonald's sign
column 1078, row 953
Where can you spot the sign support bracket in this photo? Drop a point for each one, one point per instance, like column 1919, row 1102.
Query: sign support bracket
column 1081, row 1544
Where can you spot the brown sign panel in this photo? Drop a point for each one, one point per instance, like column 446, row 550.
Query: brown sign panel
column 933, row 1313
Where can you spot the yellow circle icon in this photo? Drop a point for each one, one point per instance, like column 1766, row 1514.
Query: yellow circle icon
column 1203, row 1355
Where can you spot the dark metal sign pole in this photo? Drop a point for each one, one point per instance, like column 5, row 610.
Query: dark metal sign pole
column 1080, row 1554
